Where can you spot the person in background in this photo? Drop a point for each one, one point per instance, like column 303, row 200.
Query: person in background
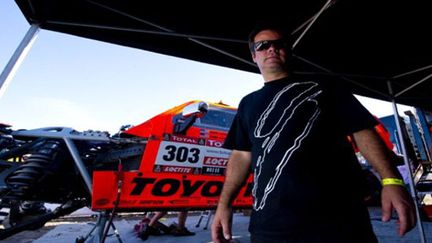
column 156, row 228
column 292, row 133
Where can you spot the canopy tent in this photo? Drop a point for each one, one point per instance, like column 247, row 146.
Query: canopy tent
column 381, row 48
column 365, row 42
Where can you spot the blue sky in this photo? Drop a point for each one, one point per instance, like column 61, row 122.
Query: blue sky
column 85, row 84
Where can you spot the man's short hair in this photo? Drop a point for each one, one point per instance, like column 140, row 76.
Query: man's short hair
column 267, row 26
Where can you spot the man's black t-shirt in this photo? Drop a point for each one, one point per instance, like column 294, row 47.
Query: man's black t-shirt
column 306, row 175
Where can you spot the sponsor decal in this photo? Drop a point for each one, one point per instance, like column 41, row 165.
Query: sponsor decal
column 204, row 132
column 201, row 141
column 166, row 137
column 169, row 187
column 212, row 202
column 173, row 169
column 214, row 143
column 215, row 161
column 151, row 202
column 213, row 171
column 179, row 201
column 182, row 139
column 125, row 202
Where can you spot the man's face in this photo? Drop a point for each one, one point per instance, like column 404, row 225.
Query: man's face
column 271, row 53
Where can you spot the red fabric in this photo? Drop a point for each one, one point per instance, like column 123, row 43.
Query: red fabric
column 383, row 134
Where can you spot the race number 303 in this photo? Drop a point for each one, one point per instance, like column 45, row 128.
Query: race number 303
column 180, row 154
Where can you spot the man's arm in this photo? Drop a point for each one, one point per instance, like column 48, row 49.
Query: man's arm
column 237, row 172
column 392, row 196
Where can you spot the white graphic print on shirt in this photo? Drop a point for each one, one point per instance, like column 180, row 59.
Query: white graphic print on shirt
column 306, row 92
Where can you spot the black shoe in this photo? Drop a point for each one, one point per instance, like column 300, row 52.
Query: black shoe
column 147, row 231
column 182, row 232
column 142, row 234
column 171, row 228
column 150, row 230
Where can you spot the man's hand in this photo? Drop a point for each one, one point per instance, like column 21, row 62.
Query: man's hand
column 237, row 171
column 397, row 198
column 392, row 196
column 221, row 226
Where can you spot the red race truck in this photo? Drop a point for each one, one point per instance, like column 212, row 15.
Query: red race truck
column 174, row 160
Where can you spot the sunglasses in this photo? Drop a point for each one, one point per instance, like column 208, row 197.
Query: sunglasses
column 266, row 44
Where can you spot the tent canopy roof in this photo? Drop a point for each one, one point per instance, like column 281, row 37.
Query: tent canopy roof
column 365, row 43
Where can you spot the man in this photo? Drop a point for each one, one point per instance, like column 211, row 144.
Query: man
column 307, row 181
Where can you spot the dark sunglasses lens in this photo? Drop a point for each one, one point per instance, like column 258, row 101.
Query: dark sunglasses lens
column 279, row 44
column 264, row 45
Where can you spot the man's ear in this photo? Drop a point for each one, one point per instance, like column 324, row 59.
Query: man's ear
column 253, row 56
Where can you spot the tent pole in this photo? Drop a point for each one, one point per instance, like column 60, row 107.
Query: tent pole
column 312, row 21
column 171, row 32
column 17, row 57
column 407, row 163
column 414, row 85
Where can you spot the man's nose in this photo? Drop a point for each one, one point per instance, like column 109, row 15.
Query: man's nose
column 273, row 48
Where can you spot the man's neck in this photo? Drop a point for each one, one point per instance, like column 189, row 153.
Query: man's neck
column 272, row 77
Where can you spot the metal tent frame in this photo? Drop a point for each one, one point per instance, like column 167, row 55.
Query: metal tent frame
column 205, row 41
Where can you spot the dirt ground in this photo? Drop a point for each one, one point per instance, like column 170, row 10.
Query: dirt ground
column 58, row 230
column 29, row 236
